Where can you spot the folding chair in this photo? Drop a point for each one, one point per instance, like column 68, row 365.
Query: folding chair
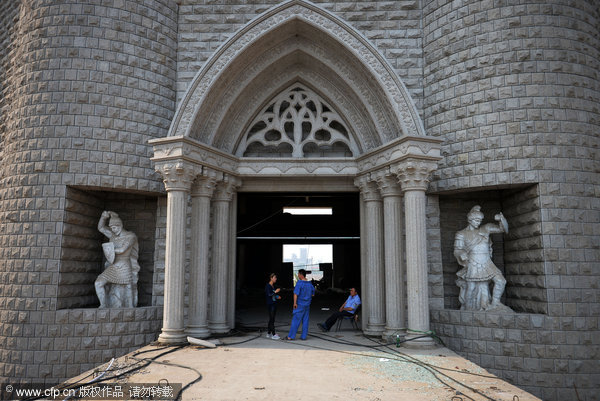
column 354, row 319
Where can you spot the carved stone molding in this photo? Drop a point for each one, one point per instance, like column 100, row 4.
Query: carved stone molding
column 414, row 174
column 296, row 167
column 205, row 183
column 330, row 73
column 316, row 75
column 426, row 148
column 387, row 183
column 368, row 188
column 175, row 149
column 178, row 175
column 226, row 188
column 395, row 91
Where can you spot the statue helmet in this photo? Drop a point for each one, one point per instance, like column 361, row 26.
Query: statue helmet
column 115, row 220
column 475, row 212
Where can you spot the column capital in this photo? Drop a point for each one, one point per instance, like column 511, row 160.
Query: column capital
column 206, row 182
column 414, row 174
column 177, row 175
column 387, row 182
column 368, row 188
column 227, row 187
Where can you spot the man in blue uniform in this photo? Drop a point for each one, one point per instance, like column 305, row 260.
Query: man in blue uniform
column 348, row 308
column 303, row 293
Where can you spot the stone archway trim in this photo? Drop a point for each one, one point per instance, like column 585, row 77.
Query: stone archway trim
column 189, row 150
column 297, row 9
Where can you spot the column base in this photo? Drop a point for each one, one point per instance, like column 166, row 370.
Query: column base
column 374, row 330
column 391, row 335
column 197, row 331
column 170, row 336
column 417, row 341
column 218, row 328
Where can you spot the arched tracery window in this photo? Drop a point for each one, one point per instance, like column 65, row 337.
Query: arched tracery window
column 298, row 123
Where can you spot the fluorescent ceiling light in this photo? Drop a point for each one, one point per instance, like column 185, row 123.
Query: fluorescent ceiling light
column 308, row 210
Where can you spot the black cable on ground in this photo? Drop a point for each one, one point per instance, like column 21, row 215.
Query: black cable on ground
column 432, row 369
column 196, row 380
column 436, row 369
column 378, row 356
column 149, row 361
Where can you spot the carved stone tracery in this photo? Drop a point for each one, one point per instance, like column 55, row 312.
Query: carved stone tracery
column 298, row 123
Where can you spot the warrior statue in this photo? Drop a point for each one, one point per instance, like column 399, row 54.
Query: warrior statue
column 121, row 268
column 473, row 251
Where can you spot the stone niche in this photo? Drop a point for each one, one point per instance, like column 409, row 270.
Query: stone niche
column 518, row 254
column 81, row 251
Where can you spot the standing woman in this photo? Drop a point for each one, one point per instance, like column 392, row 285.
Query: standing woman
column 272, row 298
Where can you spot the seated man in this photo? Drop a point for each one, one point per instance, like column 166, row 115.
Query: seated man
column 347, row 309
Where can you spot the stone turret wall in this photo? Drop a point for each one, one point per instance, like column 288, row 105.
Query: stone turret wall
column 88, row 85
column 514, row 90
column 9, row 15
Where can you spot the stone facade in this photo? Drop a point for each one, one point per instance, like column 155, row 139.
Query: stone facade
column 509, row 90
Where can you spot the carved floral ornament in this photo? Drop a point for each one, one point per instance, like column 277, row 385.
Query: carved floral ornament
column 414, row 174
column 178, row 175
column 298, row 123
column 393, row 180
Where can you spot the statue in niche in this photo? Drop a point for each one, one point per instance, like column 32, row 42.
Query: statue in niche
column 116, row 286
column 473, row 251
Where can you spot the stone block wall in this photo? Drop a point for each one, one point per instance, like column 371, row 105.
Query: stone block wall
column 89, row 84
column 527, row 282
column 435, row 261
column 59, row 345
column 554, row 358
column 514, row 88
column 81, row 255
column 9, row 15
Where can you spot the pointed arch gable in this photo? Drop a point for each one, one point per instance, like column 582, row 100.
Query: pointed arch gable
column 311, row 33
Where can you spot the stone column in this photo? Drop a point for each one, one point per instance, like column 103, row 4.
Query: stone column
column 232, row 260
column 375, row 291
column 178, row 178
column 393, row 248
column 202, row 191
column 363, row 267
column 414, row 178
column 219, row 289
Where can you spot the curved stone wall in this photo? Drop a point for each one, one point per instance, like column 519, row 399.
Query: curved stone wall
column 90, row 83
column 514, row 90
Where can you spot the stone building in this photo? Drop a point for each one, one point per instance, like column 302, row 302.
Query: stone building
column 196, row 119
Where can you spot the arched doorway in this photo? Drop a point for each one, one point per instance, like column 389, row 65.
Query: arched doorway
column 296, row 101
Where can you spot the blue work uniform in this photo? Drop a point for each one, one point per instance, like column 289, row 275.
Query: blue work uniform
column 305, row 291
column 352, row 302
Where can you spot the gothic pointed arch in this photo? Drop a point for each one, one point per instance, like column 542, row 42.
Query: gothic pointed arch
column 293, row 43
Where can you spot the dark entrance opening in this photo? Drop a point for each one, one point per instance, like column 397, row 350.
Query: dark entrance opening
column 263, row 228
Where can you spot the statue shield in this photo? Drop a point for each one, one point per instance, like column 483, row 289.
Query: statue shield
column 109, row 251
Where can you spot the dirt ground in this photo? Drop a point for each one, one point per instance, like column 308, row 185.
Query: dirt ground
column 327, row 366
column 342, row 365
